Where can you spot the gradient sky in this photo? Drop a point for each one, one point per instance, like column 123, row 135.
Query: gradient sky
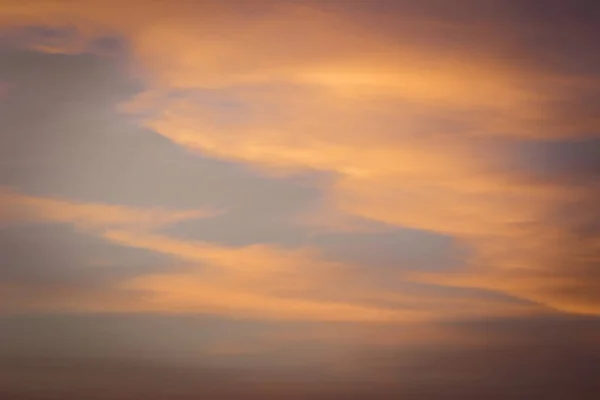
column 277, row 199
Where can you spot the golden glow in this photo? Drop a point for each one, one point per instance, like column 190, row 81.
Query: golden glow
column 413, row 136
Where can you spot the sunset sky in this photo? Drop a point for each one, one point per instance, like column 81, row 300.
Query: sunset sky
column 286, row 199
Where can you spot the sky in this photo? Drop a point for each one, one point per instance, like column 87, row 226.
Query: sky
column 279, row 199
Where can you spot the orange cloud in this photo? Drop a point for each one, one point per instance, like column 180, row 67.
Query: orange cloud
column 216, row 45
column 413, row 134
column 460, row 185
column 558, row 271
column 273, row 269
column 256, row 280
column 270, row 282
column 17, row 207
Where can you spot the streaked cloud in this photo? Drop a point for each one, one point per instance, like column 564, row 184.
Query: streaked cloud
column 18, row 207
column 418, row 125
column 299, row 199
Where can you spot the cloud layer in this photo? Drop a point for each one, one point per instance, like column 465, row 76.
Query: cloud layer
column 430, row 124
column 281, row 199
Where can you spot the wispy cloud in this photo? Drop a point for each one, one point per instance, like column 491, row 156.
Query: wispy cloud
column 292, row 199
column 18, row 208
column 414, row 133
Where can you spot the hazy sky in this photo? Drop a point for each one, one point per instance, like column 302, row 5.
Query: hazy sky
column 278, row 199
